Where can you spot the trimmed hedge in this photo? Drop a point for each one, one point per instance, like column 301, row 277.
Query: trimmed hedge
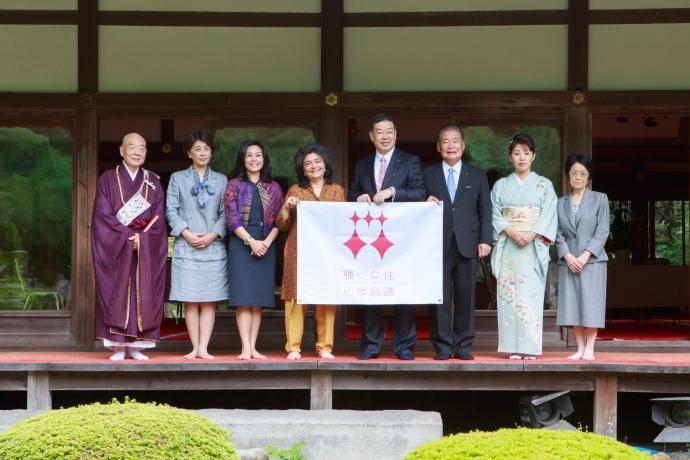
column 525, row 443
column 122, row 431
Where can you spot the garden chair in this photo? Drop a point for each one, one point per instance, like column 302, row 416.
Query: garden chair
column 30, row 295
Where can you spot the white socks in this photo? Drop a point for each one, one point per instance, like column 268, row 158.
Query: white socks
column 120, row 353
column 136, row 354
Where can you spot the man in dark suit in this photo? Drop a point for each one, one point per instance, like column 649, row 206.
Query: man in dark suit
column 467, row 236
column 389, row 174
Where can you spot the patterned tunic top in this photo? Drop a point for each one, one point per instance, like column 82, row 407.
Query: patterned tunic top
column 238, row 202
column 329, row 192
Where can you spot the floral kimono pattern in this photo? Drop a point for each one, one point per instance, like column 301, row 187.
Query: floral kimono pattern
column 521, row 270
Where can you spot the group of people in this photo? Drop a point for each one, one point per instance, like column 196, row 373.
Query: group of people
column 515, row 223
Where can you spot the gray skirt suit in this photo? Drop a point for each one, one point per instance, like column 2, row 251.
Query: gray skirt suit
column 582, row 296
column 197, row 275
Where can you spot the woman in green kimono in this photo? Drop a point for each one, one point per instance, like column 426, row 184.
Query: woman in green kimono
column 525, row 224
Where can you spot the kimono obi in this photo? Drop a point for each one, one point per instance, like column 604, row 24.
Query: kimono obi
column 521, row 219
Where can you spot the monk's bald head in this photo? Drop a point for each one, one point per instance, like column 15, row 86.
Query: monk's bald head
column 133, row 150
column 133, row 138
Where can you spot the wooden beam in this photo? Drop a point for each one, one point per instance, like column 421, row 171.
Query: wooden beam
column 38, row 17
column 457, row 18
column 321, row 391
column 208, row 19
column 578, row 45
column 38, row 391
column 461, row 381
column 87, row 47
column 180, row 380
column 267, row 105
column 606, row 404
column 664, row 382
column 640, row 16
column 384, row 19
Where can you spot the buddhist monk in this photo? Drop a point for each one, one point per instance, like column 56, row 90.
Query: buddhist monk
column 129, row 245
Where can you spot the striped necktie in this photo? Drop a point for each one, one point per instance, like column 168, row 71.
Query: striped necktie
column 382, row 174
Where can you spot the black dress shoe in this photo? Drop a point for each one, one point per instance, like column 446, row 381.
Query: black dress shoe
column 442, row 356
column 405, row 355
column 367, row 355
column 464, row 355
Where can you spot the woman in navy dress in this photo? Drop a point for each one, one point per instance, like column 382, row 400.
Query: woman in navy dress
column 252, row 202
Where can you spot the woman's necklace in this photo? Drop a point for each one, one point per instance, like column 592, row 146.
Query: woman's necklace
column 316, row 188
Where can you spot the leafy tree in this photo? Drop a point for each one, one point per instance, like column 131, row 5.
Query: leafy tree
column 36, row 200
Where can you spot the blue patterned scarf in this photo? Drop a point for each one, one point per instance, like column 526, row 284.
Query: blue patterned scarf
column 202, row 188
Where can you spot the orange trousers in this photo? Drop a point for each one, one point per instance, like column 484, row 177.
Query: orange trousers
column 294, row 326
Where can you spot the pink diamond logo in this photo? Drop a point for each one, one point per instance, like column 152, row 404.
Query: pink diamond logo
column 382, row 219
column 382, row 244
column 355, row 218
column 355, row 243
column 368, row 219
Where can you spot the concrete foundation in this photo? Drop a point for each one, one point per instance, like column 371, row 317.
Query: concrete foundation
column 327, row 434
column 331, row 434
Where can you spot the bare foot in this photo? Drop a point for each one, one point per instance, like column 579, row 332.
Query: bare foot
column 293, row 355
column 256, row 355
column 530, row 357
column 325, row 354
column 575, row 356
column 244, row 356
column 205, row 355
column 191, row 355
column 588, row 356
column 515, row 357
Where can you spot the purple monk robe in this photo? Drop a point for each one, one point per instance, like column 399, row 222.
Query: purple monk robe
column 130, row 285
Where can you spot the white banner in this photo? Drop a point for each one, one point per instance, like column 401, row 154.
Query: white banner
column 365, row 254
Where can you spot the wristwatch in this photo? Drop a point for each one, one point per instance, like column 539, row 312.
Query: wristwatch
column 247, row 240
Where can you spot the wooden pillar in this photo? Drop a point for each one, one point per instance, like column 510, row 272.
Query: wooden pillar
column 87, row 46
column 38, row 391
column 84, row 178
column 331, row 119
column 578, row 45
column 321, row 390
column 606, row 404
column 577, row 134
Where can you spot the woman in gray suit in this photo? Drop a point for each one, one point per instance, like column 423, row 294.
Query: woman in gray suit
column 195, row 212
column 583, row 228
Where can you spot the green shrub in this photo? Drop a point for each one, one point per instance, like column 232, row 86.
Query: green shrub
column 123, row 431
column 525, row 443
column 294, row 452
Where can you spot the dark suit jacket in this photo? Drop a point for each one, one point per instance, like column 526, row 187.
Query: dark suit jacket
column 404, row 173
column 469, row 218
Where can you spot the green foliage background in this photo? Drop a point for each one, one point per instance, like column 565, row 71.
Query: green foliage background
column 281, row 144
column 36, row 200
column 487, row 148
column 669, row 231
